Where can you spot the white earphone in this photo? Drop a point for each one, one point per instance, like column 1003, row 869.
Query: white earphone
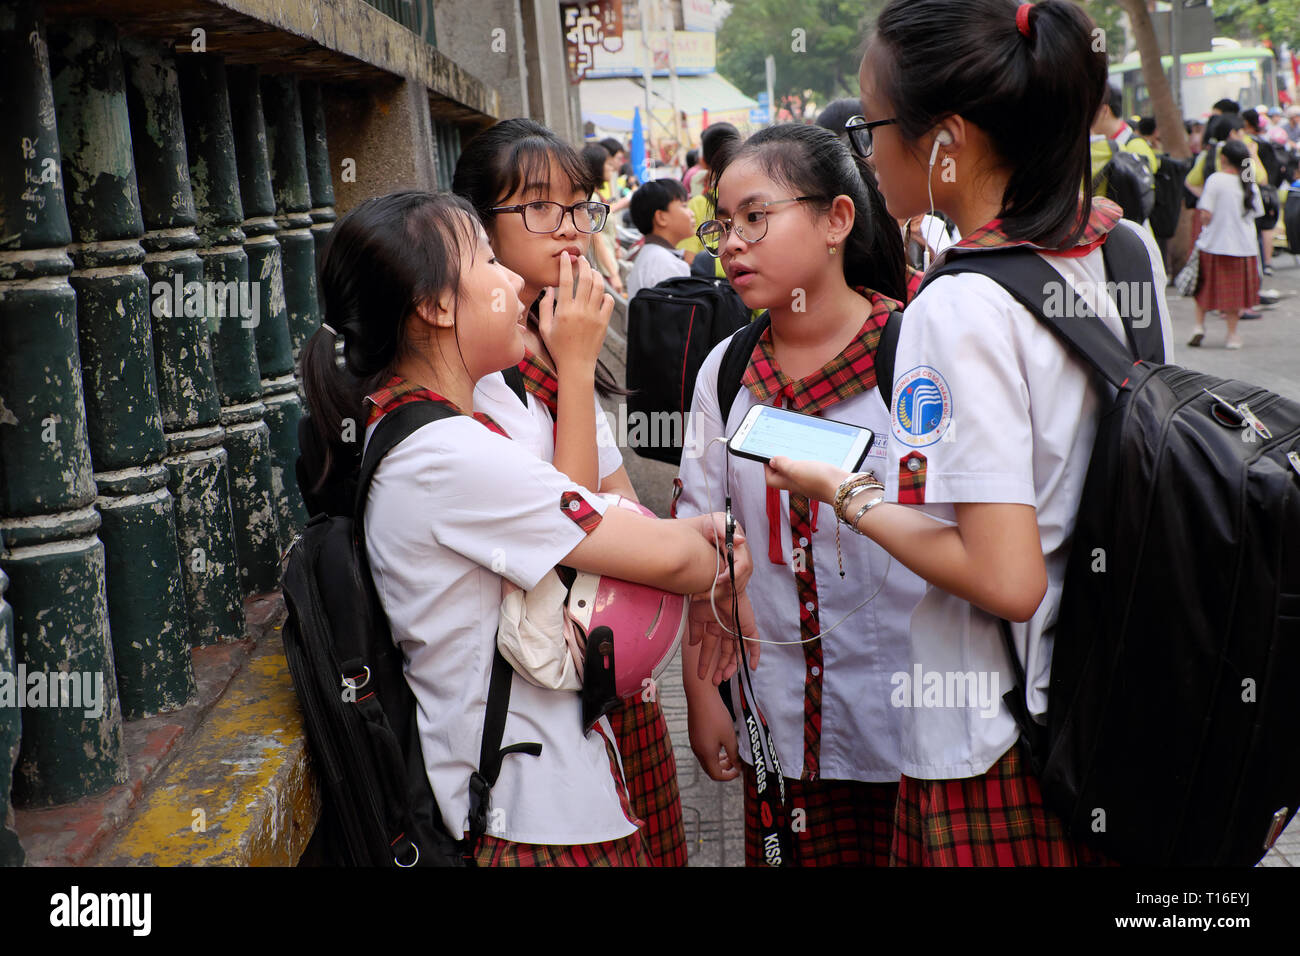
column 943, row 139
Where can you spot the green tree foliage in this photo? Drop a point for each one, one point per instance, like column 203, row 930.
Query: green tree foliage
column 1109, row 15
column 1277, row 21
column 823, row 58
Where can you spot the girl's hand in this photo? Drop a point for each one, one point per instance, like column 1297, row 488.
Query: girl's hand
column 573, row 318
column 812, row 479
column 704, row 624
column 713, row 737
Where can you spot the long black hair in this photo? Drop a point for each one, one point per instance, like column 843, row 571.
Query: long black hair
column 1238, row 154
column 1034, row 96
column 382, row 258
column 518, row 154
column 814, row 161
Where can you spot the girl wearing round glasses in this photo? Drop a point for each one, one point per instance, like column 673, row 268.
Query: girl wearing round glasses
column 531, row 190
column 798, row 235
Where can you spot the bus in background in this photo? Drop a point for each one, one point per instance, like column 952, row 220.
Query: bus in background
column 1230, row 71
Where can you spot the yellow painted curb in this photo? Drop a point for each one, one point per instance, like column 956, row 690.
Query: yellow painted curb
column 242, row 792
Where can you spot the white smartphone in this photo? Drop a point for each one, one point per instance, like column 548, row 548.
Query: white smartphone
column 767, row 432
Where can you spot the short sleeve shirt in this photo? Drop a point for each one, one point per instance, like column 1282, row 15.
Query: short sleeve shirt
column 989, row 407
column 452, row 511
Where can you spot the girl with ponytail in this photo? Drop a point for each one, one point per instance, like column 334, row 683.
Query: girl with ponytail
column 981, row 109
column 1229, row 273
column 425, row 311
column 518, row 175
column 800, row 234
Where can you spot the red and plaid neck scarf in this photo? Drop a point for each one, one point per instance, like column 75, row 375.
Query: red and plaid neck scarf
column 851, row 372
column 1105, row 214
column 398, row 391
column 541, row 381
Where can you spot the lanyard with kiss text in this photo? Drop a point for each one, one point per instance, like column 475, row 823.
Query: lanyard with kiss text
column 774, row 834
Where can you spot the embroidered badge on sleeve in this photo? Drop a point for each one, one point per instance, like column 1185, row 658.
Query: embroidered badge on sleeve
column 922, row 408
column 579, row 511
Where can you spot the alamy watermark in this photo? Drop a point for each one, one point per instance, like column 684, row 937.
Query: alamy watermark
column 75, row 689
column 946, row 689
column 208, row 299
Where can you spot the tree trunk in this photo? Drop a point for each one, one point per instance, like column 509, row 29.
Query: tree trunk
column 1169, row 121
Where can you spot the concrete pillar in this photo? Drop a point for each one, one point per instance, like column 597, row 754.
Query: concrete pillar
column 48, row 518
column 146, row 598
column 381, row 140
column 320, row 181
column 287, row 150
column 187, row 389
column 489, row 38
column 214, row 177
column 268, row 266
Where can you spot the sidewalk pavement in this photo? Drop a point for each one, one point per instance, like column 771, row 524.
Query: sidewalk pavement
column 1270, row 358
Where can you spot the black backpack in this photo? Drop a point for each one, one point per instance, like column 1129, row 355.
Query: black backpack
column 671, row 328
column 358, row 710
column 1168, row 204
column 1172, row 720
column 1291, row 219
column 1127, row 179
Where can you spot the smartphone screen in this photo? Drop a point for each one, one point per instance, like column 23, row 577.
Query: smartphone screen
column 767, row 432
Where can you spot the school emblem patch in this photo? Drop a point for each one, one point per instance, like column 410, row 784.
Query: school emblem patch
column 922, row 407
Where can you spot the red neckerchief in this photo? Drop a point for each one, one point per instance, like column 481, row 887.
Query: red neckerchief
column 398, row 391
column 1103, row 218
column 851, row 372
column 541, row 381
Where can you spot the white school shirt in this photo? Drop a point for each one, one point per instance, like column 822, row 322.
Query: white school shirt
column 452, row 510
column 1232, row 230
column 532, row 426
column 1003, row 413
column 860, row 731
column 653, row 264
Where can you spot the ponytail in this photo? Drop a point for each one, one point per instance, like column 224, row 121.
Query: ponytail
column 1238, row 155
column 1031, row 81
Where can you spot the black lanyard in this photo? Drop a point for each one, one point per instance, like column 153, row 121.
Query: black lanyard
column 774, row 833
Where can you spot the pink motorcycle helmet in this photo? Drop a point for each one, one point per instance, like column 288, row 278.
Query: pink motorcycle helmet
column 632, row 632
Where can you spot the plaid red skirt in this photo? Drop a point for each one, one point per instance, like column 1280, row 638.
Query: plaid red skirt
column 995, row 819
column 651, row 772
column 1227, row 283
column 625, row 851
column 844, row 822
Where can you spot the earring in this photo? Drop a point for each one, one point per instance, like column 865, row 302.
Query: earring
column 832, row 250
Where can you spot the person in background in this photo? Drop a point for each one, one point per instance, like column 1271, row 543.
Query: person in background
column 714, row 141
column 1293, row 124
column 605, row 246
column 659, row 210
column 1268, row 159
column 1195, row 133
column 1107, row 128
column 1145, row 143
column 1229, row 276
column 1225, row 107
column 693, row 169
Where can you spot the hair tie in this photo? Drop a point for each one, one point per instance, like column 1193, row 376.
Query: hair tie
column 329, row 328
column 1022, row 18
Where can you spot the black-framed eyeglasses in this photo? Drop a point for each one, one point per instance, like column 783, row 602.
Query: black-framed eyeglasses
column 545, row 216
column 859, row 131
column 750, row 223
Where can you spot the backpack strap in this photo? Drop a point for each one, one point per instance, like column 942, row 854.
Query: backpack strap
column 1026, row 277
column 1024, row 274
column 515, row 379
column 395, row 427
column 886, row 349
column 734, row 362
column 1101, row 173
